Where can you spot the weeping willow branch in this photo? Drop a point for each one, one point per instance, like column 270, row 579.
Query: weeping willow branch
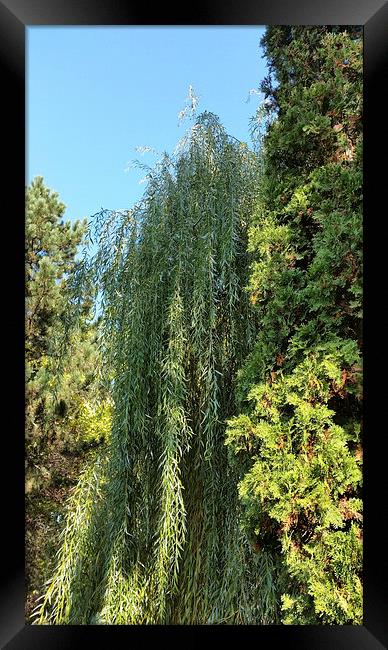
column 162, row 543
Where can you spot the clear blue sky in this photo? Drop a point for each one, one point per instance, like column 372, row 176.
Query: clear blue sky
column 95, row 93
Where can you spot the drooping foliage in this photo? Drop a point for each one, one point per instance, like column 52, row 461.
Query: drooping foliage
column 297, row 442
column 153, row 531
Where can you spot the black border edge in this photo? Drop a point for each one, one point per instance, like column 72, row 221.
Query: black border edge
column 12, row 60
column 207, row 12
column 373, row 14
column 375, row 327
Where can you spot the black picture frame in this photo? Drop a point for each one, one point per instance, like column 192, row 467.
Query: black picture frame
column 15, row 17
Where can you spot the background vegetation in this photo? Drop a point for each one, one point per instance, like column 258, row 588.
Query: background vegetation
column 67, row 407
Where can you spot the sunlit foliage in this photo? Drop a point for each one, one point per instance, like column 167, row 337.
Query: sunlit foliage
column 153, row 531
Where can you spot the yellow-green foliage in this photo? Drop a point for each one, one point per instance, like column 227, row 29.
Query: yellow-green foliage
column 91, row 422
column 301, row 491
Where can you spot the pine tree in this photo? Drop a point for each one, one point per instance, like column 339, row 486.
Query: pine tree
column 51, row 246
column 297, row 442
column 67, row 409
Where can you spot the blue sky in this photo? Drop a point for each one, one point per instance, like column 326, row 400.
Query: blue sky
column 96, row 93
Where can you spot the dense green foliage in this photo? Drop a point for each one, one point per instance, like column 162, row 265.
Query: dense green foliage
column 229, row 490
column 297, row 442
column 62, row 364
column 64, row 399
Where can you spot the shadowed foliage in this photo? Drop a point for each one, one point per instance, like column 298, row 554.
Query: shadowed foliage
column 298, row 438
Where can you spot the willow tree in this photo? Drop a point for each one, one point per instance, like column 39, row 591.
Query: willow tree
column 153, row 531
